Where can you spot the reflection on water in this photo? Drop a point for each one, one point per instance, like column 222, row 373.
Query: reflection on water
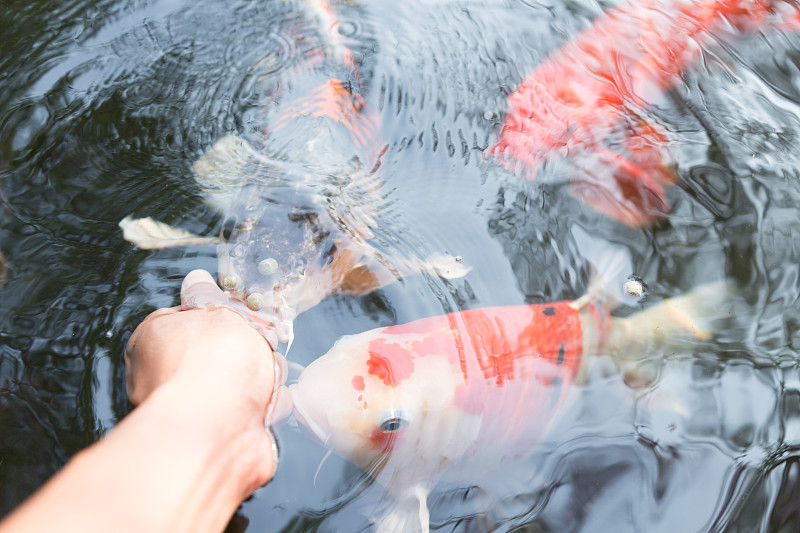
column 106, row 106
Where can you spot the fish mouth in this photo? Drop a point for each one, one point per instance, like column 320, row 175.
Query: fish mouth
column 304, row 418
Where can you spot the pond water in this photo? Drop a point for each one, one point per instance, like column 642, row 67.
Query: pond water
column 105, row 106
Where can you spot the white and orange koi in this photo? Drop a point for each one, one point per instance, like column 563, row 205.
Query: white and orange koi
column 444, row 397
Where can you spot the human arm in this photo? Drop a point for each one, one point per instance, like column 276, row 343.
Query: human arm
column 191, row 451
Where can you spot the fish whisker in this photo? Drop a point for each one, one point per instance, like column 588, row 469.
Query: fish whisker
column 324, row 458
column 295, row 367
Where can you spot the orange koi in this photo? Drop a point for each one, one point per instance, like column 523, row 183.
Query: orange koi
column 598, row 83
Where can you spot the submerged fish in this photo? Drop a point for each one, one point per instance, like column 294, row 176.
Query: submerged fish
column 449, row 397
column 301, row 199
column 597, row 86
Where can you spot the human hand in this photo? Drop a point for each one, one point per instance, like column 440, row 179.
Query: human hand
column 215, row 359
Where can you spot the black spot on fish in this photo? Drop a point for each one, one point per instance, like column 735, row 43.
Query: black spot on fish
column 561, row 354
column 227, row 228
column 557, row 381
column 548, row 311
column 329, row 255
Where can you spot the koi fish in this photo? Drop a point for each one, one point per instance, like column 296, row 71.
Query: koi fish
column 300, row 200
column 444, row 397
column 598, row 84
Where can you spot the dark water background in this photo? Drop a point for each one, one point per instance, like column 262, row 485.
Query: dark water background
column 105, row 105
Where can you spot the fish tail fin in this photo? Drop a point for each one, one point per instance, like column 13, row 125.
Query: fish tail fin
column 611, row 266
column 329, row 30
column 408, row 514
column 674, row 324
column 150, row 234
column 754, row 15
column 787, row 15
column 629, row 185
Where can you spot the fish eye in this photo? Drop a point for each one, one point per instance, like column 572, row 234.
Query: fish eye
column 394, row 421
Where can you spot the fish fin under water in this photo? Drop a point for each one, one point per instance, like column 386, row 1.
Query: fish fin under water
column 409, row 514
column 219, row 170
column 628, row 187
column 219, row 173
column 446, row 266
column 329, row 29
column 372, row 274
column 675, row 325
column 150, row 234
column 611, row 266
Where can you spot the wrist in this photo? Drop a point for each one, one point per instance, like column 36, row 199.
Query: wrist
column 231, row 427
column 208, row 458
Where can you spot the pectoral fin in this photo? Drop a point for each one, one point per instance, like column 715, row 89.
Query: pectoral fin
column 628, row 185
column 372, row 274
column 446, row 266
column 150, row 234
column 360, row 281
column 219, row 168
column 409, row 514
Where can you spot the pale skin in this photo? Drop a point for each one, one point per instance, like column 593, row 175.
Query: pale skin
column 196, row 444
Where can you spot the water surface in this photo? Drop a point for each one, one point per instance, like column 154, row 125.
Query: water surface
column 105, row 105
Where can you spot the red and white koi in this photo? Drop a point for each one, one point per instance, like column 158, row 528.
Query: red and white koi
column 445, row 397
column 599, row 83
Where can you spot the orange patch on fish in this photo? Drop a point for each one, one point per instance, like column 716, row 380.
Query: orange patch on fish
column 389, row 362
column 384, row 441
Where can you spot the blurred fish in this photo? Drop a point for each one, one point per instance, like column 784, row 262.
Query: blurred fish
column 596, row 86
column 450, row 397
column 301, row 200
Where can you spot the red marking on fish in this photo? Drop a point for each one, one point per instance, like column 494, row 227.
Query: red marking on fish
column 597, row 83
column 389, row 362
column 358, row 383
column 337, row 98
column 538, row 349
column 384, row 441
column 532, row 352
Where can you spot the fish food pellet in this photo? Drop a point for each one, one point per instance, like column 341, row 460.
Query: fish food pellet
column 634, row 288
column 268, row 266
column 230, row 282
column 255, row 301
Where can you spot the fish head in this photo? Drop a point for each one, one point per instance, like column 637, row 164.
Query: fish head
column 388, row 406
column 283, row 252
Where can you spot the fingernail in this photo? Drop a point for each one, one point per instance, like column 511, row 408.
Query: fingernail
column 274, row 451
column 196, row 276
